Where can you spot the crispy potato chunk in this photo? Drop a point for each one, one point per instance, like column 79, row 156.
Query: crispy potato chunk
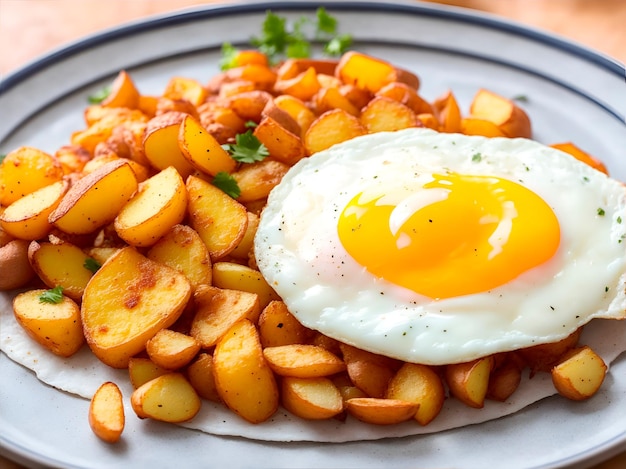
column 277, row 326
column 200, row 375
column 123, row 93
column 510, row 118
column 579, row 374
column 167, row 398
column 141, row 370
column 172, row 350
column 387, row 115
column 302, row 361
column 469, row 381
column 381, row 411
column 368, row 371
column 161, row 143
column 330, row 128
column 15, row 269
column 311, row 398
column 202, row 149
column 256, row 180
column 240, row 277
column 106, row 413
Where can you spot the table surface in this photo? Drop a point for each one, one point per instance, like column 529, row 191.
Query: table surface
column 32, row 28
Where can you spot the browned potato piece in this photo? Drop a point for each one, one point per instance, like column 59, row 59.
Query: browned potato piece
column 298, row 111
column 381, row 411
column 387, row 115
column 56, row 326
column 476, row 126
column 25, row 170
column 544, row 356
column 200, row 375
column 277, row 326
column 579, row 374
column 240, row 277
column 141, row 370
column 244, row 248
column 244, row 381
column 330, row 128
column 96, row 199
column 220, row 220
column 449, row 113
column 61, row 264
column 249, row 105
column 422, row 385
column 127, row 302
column 256, row 180
column 201, row 149
column 370, row 73
column 159, row 204
column 346, row 388
column 311, row 398
column 15, row 269
column 182, row 249
column 168, row 398
column 27, row 217
column 406, row 95
column 282, row 144
column 302, row 361
column 504, row 381
column 303, row 86
column 327, row 99
column 368, row 371
column 161, row 143
column 123, row 93
column 106, row 413
column 188, row 89
column 172, row 350
column 511, row 119
column 217, row 309
column 469, row 381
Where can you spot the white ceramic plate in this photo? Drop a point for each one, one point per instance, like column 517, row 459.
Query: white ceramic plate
column 572, row 94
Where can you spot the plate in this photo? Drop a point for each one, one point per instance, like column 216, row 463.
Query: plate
column 571, row 93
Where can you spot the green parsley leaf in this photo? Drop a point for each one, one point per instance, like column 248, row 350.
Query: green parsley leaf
column 325, row 22
column 477, row 157
column 251, row 124
column 601, row 211
column 338, row 45
column 274, row 35
column 53, row 296
column 619, row 219
column 522, row 98
column 247, row 148
column 91, row 264
column 227, row 184
column 100, row 96
column 229, row 56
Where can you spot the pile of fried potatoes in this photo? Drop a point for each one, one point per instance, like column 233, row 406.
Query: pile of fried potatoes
column 156, row 266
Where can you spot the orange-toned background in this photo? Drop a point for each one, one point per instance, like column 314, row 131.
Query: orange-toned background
column 30, row 28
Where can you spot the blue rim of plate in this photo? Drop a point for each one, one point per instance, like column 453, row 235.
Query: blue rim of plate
column 423, row 10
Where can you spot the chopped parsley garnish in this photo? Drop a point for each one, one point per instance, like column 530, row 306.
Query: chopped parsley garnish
column 227, row 184
column 251, row 124
column 477, row 157
column 601, row 211
column 91, row 264
column 53, row 296
column 338, row 45
column 619, row 219
column 100, row 96
column 229, row 56
column 522, row 98
column 247, row 148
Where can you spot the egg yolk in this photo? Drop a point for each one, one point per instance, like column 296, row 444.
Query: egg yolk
column 455, row 235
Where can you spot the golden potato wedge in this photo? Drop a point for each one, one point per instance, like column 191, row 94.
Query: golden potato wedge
column 161, row 145
column 243, row 378
column 543, row 357
column 61, row 264
column 220, row 220
column 303, row 86
column 311, row 398
column 96, row 199
column 200, row 376
column 370, row 73
column 419, row 384
column 217, row 309
column 387, row 115
column 469, row 381
column 579, row 374
column 55, row 325
column 449, row 113
column 406, row 95
column 72, row 158
column 187, row 89
column 381, row 411
column 277, row 326
column 106, row 413
column 346, row 388
column 101, row 254
column 240, row 277
column 510, row 118
column 25, row 170
column 167, row 398
column 580, row 155
column 368, row 371
column 249, row 105
column 504, row 381
column 260, row 75
column 123, row 93
column 201, row 149
column 127, row 302
column 159, row 204
column 15, row 268
column 182, row 249
column 327, row 99
column 332, row 127
column 141, row 370
column 256, row 180
column 245, row 246
column 282, row 144
column 298, row 111
column 27, row 217
column 476, row 126
column 172, row 350
column 302, row 361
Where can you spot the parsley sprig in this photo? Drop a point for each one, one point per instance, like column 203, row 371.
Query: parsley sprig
column 247, row 148
column 53, row 296
column 100, row 95
column 227, row 184
column 91, row 264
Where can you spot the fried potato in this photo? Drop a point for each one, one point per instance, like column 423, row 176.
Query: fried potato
column 245, row 246
column 277, row 326
column 579, row 374
column 368, row 371
column 243, row 378
column 141, row 370
column 101, row 194
column 406, row 95
column 187, row 89
column 282, row 144
column 240, row 277
column 449, row 113
column 220, row 220
column 217, row 309
column 302, row 361
column 510, row 118
column 476, row 126
column 200, row 375
column 298, row 111
column 311, row 398
column 419, row 384
column 123, row 93
column 303, row 86
column 381, row 411
column 469, row 381
column 167, row 398
column 56, row 326
column 544, row 356
column 127, row 302
column 15, row 269
column 332, row 127
column 106, row 413
column 327, row 99
column 370, row 73
column 202, row 149
column 172, row 350
column 161, row 145
column 504, row 381
column 387, row 115
column 249, row 105
column 256, row 180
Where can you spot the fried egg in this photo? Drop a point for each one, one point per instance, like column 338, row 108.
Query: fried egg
column 440, row 248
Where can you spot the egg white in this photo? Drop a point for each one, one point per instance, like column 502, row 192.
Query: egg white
column 298, row 250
